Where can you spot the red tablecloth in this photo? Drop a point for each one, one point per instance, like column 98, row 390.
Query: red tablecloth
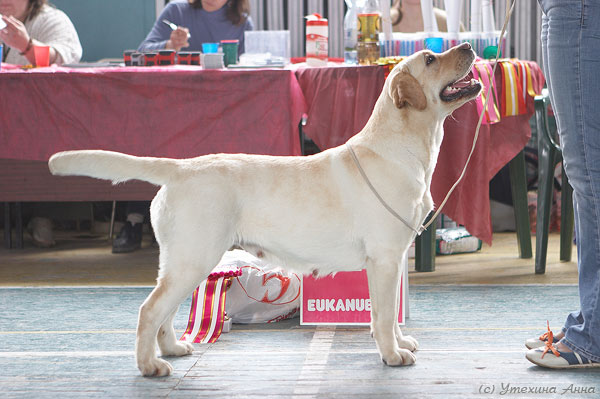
column 185, row 112
column 176, row 112
column 341, row 99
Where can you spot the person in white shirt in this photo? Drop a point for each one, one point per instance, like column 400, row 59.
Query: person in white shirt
column 32, row 23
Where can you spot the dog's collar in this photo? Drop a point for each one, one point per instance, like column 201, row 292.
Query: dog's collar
column 381, row 200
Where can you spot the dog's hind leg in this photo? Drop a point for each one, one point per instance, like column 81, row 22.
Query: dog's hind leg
column 384, row 278
column 179, row 276
column 167, row 340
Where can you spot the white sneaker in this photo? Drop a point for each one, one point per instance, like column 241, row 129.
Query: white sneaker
column 554, row 359
column 541, row 341
column 533, row 343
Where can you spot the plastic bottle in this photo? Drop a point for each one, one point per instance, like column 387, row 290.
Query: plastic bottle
column 350, row 33
column 369, row 26
column 317, row 40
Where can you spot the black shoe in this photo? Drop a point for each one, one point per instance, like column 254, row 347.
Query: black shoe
column 129, row 239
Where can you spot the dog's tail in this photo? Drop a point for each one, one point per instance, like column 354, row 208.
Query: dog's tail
column 112, row 166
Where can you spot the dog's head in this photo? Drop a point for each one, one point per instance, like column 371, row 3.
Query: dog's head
column 430, row 81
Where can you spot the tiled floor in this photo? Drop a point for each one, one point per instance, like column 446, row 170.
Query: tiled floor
column 78, row 342
column 68, row 317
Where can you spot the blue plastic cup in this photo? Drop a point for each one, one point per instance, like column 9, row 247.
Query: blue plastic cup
column 435, row 44
column 210, row 48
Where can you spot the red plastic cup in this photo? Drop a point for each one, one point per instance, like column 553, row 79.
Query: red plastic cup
column 42, row 55
column 150, row 59
column 127, row 56
column 184, row 58
column 166, row 57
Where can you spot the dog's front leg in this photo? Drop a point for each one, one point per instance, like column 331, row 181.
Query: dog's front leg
column 384, row 278
column 404, row 341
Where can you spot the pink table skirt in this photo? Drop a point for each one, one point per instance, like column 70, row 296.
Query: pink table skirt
column 183, row 112
column 166, row 112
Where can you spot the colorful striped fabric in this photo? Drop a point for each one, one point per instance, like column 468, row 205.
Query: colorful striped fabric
column 517, row 84
column 482, row 71
column 207, row 312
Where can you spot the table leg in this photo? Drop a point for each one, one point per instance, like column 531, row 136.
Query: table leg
column 425, row 250
column 7, row 226
column 301, row 133
column 18, row 225
column 112, row 221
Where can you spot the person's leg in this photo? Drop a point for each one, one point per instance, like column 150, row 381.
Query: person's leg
column 572, row 56
column 130, row 237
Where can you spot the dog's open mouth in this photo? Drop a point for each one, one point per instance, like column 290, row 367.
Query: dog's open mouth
column 463, row 87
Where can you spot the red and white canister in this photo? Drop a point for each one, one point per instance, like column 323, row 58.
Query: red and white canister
column 317, row 39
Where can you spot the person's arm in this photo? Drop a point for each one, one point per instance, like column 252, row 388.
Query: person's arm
column 59, row 33
column 158, row 38
column 248, row 25
column 15, row 36
column 49, row 29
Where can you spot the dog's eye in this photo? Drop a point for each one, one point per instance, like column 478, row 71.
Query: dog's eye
column 429, row 59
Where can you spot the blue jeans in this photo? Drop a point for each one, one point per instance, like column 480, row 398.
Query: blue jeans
column 571, row 57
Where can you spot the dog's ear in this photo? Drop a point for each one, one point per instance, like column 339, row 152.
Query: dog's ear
column 406, row 90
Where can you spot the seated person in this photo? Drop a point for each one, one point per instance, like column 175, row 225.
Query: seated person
column 198, row 21
column 32, row 23
column 407, row 17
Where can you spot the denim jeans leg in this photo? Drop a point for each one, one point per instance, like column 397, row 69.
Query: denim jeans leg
column 572, row 53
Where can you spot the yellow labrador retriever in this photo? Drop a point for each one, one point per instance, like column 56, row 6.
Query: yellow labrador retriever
column 313, row 213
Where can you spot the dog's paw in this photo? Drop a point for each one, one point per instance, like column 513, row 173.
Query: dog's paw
column 400, row 357
column 180, row 348
column 155, row 368
column 408, row 342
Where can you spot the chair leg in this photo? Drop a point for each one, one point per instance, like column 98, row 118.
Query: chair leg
column 546, row 155
column 566, row 219
column 7, row 226
column 18, row 225
column 112, row 221
column 518, row 184
column 425, row 250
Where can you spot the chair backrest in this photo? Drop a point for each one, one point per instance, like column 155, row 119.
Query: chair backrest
column 542, row 102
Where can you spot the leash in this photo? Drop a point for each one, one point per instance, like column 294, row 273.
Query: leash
column 364, row 175
column 424, row 227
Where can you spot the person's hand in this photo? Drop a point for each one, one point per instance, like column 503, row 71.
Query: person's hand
column 14, row 34
column 179, row 38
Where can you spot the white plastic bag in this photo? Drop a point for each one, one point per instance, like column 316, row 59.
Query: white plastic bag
column 264, row 293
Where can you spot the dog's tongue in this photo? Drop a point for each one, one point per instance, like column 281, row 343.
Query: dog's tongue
column 459, row 84
column 462, row 83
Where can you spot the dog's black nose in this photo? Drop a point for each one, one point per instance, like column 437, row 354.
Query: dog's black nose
column 465, row 46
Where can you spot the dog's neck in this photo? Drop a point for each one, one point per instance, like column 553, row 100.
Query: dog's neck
column 408, row 132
